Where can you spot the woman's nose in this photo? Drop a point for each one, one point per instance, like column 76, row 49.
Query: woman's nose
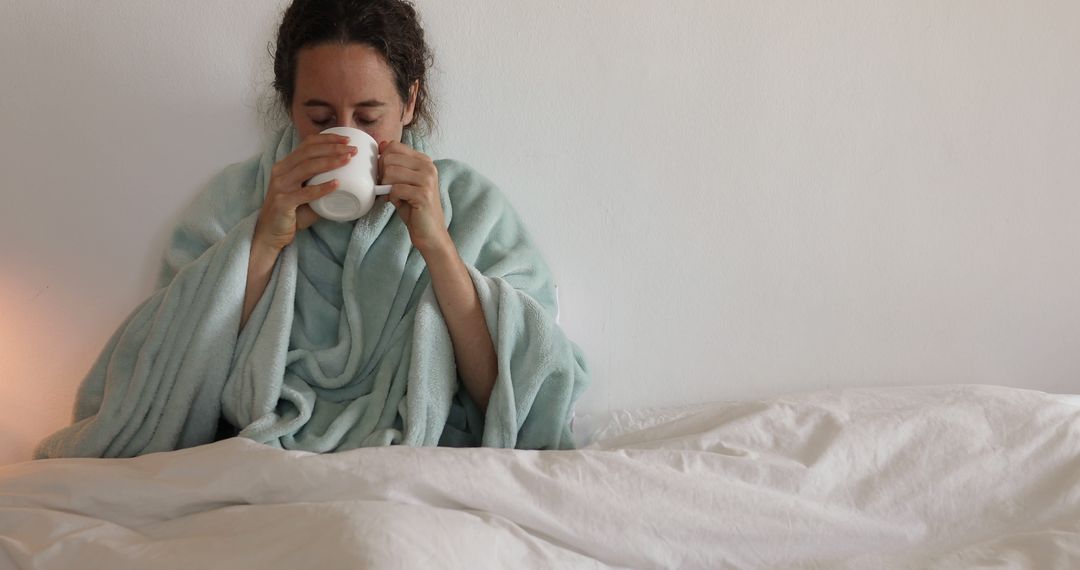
column 354, row 125
column 347, row 124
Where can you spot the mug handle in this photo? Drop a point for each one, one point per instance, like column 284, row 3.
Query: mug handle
column 382, row 189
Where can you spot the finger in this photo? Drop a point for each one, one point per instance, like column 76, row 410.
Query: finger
column 317, row 165
column 398, row 148
column 405, row 194
column 313, row 146
column 407, row 161
column 393, row 151
column 296, row 169
column 312, row 193
column 397, row 174
column 305, row 217
column 379, row 162
column 317, row 145
column 400, row 203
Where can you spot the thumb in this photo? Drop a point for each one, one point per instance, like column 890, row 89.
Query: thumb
column 305, row 216
column 379, row 166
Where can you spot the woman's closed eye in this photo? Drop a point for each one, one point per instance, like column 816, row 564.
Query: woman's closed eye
column 329, row 121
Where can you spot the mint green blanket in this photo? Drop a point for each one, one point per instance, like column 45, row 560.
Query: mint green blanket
column 346, row 348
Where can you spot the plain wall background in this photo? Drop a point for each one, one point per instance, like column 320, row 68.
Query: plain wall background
column 738, row 199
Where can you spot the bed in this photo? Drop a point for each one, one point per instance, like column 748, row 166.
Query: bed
column 948, row 476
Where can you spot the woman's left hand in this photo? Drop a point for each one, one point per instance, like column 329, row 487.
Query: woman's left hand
column 414, row 193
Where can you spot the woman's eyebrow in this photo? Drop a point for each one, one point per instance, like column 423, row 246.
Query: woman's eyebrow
column 321, row 103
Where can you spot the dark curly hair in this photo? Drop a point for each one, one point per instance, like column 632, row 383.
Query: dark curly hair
column 391, row 27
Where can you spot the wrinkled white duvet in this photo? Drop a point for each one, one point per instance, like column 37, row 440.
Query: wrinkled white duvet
column 961, row 476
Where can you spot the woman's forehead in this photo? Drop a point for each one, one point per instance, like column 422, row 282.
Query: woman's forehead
column 354, row 72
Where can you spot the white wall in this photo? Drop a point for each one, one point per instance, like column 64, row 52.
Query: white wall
column 738, row 198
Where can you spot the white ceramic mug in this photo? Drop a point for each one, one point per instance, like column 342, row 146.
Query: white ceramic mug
column 356, row 191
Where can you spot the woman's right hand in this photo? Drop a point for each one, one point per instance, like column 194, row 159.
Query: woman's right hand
column 285, row 209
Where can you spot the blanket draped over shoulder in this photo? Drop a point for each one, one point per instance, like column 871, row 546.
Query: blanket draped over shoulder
column 347, row 347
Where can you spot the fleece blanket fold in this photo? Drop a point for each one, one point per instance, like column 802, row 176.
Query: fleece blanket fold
column 346, row 348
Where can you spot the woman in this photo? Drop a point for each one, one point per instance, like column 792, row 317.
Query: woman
column 428, row 321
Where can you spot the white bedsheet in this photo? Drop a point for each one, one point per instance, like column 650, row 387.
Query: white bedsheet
column 960, row 476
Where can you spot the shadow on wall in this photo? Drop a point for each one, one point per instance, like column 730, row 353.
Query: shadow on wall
column 225, row 115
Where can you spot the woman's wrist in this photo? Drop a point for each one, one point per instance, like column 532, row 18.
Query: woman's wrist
column 263, row 250
column 441, row 249
column 261, row 263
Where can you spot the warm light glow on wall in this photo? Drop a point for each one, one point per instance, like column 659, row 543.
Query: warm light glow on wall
column 36, row 362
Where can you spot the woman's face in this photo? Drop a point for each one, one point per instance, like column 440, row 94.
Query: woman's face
column 348, row 86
